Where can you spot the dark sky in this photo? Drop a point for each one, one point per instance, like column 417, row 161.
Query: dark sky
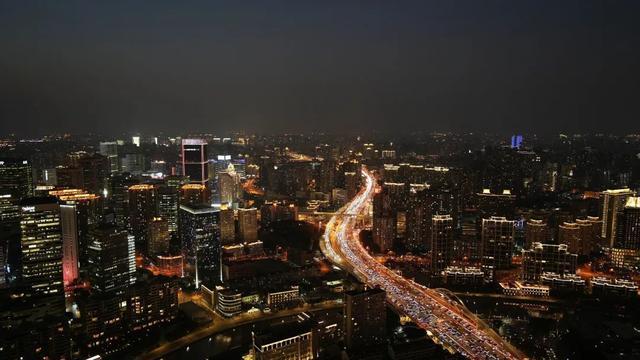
column 513, row 65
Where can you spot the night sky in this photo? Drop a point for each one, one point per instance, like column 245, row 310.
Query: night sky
column 271, row 66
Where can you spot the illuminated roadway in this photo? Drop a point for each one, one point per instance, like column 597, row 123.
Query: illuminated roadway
column 446, row 321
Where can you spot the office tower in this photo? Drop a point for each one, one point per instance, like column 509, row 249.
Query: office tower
column 103, row 323
column 16, row 178
column 248, row 225
column 613, row 202
column 441, row 242
column 365, row 318
column 327, row 175
column 569, row 233
column 111, row 259
column 168, row 204
column 468, row 247
column 200, row 238
column 176, row 181
column 110, row 151
column 41, row 246
column 119, row 197
column 135, row 140
column 384, row 221
column 418, row 221
column 193, row 160
column 70, row 259
column 497, row 243
column 228, row 182
column 159, row 237
column 292, row 340
column 227, row 226
column 194, row 194
column 142, row 209
column 88, row 211
column 543, row 258
column 351, row 183
column 536, row 231
column 629, row 224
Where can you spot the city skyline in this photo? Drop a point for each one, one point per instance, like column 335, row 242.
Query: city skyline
column 530, row 66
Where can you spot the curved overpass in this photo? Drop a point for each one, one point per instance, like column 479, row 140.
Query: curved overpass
column 447, row 321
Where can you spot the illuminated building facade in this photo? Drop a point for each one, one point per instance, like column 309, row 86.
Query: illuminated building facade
column 193, row 160
column 70, row 259
column 16, row 178
column 536, row 231
column 159, row 236
column 142, row 209
column 547, row 258
column 497, row 243
column 227, row 225
column 41, row 246
column 613, row 202
column 441, row 242
column 168, row 205
column 200, row 240
column 111, row 259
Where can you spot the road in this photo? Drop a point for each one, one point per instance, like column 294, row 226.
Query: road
column 447, row 321
column 222, row 324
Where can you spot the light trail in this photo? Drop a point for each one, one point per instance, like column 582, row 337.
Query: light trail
column 447, row 321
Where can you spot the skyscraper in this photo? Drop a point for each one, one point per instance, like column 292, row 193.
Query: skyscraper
column 142, row 209
column 16, row 178
column 570, row 234
column 497, row 243
column 194, row 161
column 384, row 221
column 613, row 202
column 158, row 236
column 200, row 238
column 70, row 259
column 227, row 225
column 629, row 234
column 441, row 242
column 168, row 204
column 365, row 318
column 41, row 246
column 119, row 197
column 248, row 224
column 418, row 221
column 111, row 255
column 110, row 150
column 228, row 182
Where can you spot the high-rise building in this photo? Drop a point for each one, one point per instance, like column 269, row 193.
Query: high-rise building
column 547, row 258
column 536, row 231
column 41, row 246
column 168, row 205
column 194, row 160
column 110, row 151
column 228, row 182
column 590, row 230
column 16, row 178
column 159, row 236
column 613, row 202
column 629, row 224
column 492, row 204
column 497, row 243
column 570, row 234
column 70, row 259
column 95, row 171
column 441, row 242
column 418, row 221
column 351, row 183
column 152, row 302
column 111, row 259
column 142, row 209
column 200, row 238
column 227, row 225
column 248, row 224
column 365, row 318
column 384, row 220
